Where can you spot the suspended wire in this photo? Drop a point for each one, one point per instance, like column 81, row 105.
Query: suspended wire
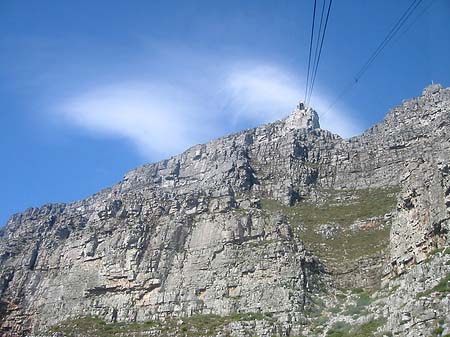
column 394, row 30
column 320, row 52
column 418, row 16
column 310, row 48
column 391, row 34
column 316, row 43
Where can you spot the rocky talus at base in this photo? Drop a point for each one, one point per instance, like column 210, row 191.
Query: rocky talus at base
column 281, row 230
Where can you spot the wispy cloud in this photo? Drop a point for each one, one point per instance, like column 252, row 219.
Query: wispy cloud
column 157, row 118
column 336, row 121
column 266, row 93
column 162, row 119
column 263, row 93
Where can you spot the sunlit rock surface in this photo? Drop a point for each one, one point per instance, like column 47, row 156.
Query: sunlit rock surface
column 285, row 229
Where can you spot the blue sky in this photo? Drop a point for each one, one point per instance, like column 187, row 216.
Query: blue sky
column 92, row 89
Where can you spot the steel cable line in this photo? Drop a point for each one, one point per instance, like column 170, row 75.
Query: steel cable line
column 310, row 47
column 316, row 43
column 394, row 30
column 320, row 51
column 418, row 16
column 391, row 34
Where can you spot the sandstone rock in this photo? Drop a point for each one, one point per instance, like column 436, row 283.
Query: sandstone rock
column 211, row 231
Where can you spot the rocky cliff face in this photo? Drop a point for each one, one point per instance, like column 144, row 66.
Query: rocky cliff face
column 264, row 232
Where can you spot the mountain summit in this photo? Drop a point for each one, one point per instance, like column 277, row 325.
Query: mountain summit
column 281, row 230
column 303, row 117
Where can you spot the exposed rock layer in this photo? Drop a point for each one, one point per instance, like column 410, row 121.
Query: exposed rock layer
column 193, row 234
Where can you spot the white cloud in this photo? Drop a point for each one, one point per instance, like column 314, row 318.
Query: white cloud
column 336, row 121
column 263, row 93
column 158, row 119
column 266, row 93
column 163, row 119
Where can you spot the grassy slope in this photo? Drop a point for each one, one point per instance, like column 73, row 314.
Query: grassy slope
column 343, row 208
column 197, row 325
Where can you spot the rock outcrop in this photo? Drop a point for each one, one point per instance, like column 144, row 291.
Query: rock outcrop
column 259, row 223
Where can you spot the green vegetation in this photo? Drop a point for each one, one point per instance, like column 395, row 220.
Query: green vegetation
column 315, row 307
column 335, row 310
column 442, row 287
column 341, row 296
column 359, row 308
column 440, row 250
column 363, row 299
column 438, row 331
column 197, row 325
column 436, row 251
column 355, row 311
column 339, row 329
column 342, row 329
column 368, row 329
column 343, row 208
column 363, row 204
column 93, row 326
